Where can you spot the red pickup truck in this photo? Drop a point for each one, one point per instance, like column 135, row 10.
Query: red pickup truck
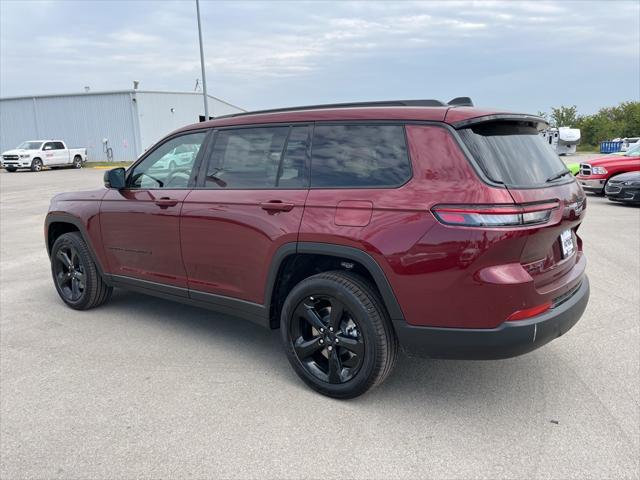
column 594, row 174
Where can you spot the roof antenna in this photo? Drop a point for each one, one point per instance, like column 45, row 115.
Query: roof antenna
column 461, row 102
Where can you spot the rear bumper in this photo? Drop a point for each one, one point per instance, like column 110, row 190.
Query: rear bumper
column 508, row 340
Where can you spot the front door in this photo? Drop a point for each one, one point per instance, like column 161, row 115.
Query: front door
column 250, row 203
column 141, row 223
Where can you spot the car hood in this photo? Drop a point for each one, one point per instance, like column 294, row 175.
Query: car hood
column 627, row 177
column 83, row 195
column 17, row 151
column 610, row 162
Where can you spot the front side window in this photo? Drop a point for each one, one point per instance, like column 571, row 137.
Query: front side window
column 359, row 156
column 246, row 158
column 168, row 166
column 48, row 146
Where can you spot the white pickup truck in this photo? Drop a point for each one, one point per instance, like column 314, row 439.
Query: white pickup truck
column 36, row 154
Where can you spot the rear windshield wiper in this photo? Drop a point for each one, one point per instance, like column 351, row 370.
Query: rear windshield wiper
column 557, row 175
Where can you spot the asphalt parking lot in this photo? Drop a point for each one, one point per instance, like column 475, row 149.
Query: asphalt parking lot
column 142, row 387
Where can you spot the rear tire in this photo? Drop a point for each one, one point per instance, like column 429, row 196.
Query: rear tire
column 77, row 162
column 337, row 334
column 36, row 165
column 75, row 274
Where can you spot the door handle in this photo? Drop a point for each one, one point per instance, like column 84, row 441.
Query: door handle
column 166, row 202
column 277, row 206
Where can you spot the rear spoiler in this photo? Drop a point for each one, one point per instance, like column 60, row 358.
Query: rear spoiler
column 538, row 122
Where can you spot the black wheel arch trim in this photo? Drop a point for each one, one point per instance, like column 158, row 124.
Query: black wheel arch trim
column 335, row 250
column 76, row 222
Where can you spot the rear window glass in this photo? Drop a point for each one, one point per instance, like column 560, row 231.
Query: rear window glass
column 512, row 153
column 359, row 156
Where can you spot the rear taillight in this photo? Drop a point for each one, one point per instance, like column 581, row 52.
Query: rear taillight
column 495, row 215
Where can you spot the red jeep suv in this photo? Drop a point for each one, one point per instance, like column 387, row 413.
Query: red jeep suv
column 356, row 229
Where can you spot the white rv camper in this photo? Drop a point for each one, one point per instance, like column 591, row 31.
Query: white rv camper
column 563, row 140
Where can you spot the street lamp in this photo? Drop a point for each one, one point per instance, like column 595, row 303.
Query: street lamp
column 204, row 77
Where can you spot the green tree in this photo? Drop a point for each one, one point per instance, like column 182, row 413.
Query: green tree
column 620, row 121
column 564, row 116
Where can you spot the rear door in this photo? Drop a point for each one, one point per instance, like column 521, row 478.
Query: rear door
column 512, row 153
column 49, row 154
column 141, row 223
column 249, row 202
column 61, row 155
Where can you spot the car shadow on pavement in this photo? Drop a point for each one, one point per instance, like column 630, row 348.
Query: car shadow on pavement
column 423, row 379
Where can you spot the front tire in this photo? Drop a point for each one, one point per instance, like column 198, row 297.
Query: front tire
column 75, row 274
column 36, row 165
column 337, row 334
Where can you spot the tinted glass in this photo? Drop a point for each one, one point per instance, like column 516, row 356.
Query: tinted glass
column 169, row 165
column 246, row 158
column 359, row 156
column 512, row 153
column 294, row 171
column 58, row 145
column 48, row 146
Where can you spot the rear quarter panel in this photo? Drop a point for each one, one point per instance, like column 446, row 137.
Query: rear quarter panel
column 421, row 258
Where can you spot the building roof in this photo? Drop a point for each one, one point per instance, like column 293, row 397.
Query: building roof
column 111, row 92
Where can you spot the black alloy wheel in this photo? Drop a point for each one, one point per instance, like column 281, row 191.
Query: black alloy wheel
column 326, row 339
column 69, row 273
column 76, row 275
column 337, row 334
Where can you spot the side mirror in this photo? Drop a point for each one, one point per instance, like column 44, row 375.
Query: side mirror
column 114, row 178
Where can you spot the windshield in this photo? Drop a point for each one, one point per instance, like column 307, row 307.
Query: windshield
column 512, row 153
column 634, row 150
column 30, row 145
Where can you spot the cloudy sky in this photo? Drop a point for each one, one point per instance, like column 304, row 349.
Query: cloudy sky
column 518, row 55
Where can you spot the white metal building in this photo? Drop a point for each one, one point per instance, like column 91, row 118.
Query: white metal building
column 130, row 120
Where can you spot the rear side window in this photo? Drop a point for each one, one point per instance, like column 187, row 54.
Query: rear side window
column 294, row 171
column 259, row 158
column 359, row 156
column 512, row 153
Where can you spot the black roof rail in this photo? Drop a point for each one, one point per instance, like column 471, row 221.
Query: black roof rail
column 461, row 102
column 383, row 103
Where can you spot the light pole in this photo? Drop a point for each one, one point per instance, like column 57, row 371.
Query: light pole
column 204, row 77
